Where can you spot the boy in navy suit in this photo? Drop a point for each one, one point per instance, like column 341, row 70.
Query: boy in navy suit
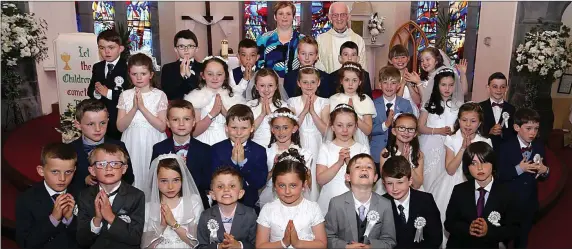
column 308, row 55
column 410, row 205
column 236, row 222
column 482, row 211
column 109, row 77
column 181, row 120
column 110, row 214
column 182, row 76
column 245, row 155
column 349, row 52
column 248, row 56
column 44, row 213
column 496, row 109
column 92, row 119
column 386, row 107
column 521, row 167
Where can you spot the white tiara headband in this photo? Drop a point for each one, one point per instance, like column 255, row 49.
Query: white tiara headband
column 446, row 70
column 283, row 114
column 156, row 66
column 210, row 57
column 351, row 66
column 308, row 67
column 340, row 106
column 289, row 158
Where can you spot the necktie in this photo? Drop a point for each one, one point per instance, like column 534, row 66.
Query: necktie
column 498, row 104
column 88, row 148
column 181, row 147
column 361, row 210
column 109, row 69
column 388, row 107
column 481, row 202
column 402, row 214
column 55, row 196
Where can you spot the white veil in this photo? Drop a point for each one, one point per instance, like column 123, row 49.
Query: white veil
column 248, row 91
column 191, row 201
column 427, row 86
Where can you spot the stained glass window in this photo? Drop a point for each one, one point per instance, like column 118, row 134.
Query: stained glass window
column 296, row 22
column 427, row 18
column 139, row 22
column 103, row 15
column 457, row 29
column 255, row 13
column 320, row 22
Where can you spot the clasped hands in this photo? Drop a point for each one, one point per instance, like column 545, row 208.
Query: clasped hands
column 63, row 207
column 478, row 228
column 101, row 89
column 291, row 235
column 102, row 209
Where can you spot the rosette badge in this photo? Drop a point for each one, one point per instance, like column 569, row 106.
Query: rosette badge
column 419, row 224
column 494, row 218
column 213, row 227
column 118, row 82
column 372, row 219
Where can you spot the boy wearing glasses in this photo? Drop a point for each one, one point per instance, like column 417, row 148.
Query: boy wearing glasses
column 111, row 213
column 387, row 106
column 182, row 76
column 44, row 213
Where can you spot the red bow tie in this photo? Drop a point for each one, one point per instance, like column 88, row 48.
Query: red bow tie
column 524, row 149
column 497, row 104
column 182, row 147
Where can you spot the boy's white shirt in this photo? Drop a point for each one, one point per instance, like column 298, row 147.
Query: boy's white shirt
column 95, row 229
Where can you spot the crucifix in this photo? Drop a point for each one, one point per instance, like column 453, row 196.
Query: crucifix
column 209, row 18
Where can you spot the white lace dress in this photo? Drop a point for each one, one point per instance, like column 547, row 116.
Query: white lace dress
column 169, row 238
column 267, row 195
column 432, row 145
column 380, row 188
column 203, row 99
column 310, row 136
column 140, row 136
column 263, row 133
column 442, row 188
column 328, row 155
column 276, row 216
column 365, row 107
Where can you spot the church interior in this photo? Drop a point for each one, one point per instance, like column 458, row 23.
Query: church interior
column 485, row 33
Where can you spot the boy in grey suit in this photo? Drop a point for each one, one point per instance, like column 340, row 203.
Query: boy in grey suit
column 233, row 223
column 360, row 217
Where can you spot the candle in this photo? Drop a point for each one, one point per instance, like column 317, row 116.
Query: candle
column 224, row 49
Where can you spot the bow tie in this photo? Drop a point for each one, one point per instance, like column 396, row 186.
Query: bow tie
column 112, row 193
column 226, row 220
column 88, row 147
column 497, row 104
column 181, row 147
column 525, row 149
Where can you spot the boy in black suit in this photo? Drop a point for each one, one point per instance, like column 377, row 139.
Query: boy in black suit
column 112, row 213
column 109, row 77
column 248, row 56
column 181, row 120
column 496, row 110
column 44, row 213
column 410, row 206
column 92, row 119
column 349, row 52
column 182, row 76
column 236, row 222
column 481, row 212
column 308, row 55
column 521, row 165
column 245, row 155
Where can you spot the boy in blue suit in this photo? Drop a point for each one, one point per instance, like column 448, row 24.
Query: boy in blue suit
column 386, row 107
column 181, row 120
column 242, row 153
column 92, row 119
column 521, row 167
column 248, row 56
column 308, row 55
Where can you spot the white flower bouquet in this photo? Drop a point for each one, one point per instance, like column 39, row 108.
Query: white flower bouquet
column 22, row 35
column 544, row 53
column 67, row 128
column 375, row 25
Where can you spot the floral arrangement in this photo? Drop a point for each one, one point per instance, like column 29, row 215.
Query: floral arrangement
column 22, row 35
column 375, row 25
column 67, row 129
column 544, row 53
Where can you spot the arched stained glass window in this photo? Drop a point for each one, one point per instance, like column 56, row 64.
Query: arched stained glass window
column 296, row 22
column 457, row 29
column 320, row 21
column 103, row 15
column 427, row 12
column 255, row 13
column 139, row 22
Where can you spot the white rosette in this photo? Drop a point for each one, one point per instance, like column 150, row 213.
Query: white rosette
column 372, row 219
column 419, row 224
column 75, row 210
column 125, row 218
column 213, row 227
column 505, row 117
column 494, row 218
column 537, row 159
column 118, row 82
